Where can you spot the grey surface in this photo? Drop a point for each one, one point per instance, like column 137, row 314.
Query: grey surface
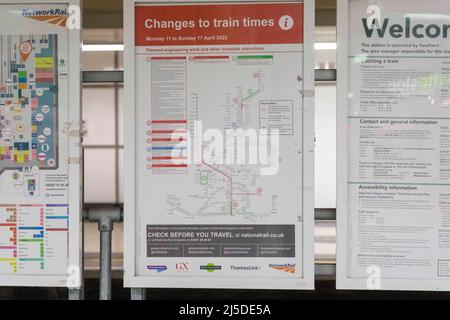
column 138, row 294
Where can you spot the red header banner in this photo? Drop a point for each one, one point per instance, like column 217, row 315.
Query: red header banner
column 219, row 24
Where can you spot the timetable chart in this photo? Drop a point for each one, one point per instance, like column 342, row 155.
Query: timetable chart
column 57, row 236
column 34, row 238
column 31, row 233
column 8, row 238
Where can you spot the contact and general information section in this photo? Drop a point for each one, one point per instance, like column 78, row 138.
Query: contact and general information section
column 398, row 117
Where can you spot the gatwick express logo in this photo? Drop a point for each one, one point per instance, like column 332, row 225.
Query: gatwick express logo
column 182, row 267
column 289, row 268
column 157, row 268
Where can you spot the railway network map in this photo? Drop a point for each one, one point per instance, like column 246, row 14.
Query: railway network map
column 34, row 214
column 28, row 102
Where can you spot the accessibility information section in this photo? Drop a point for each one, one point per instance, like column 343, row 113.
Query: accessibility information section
column 219, row 131
column 35, row 211
column 398, row 117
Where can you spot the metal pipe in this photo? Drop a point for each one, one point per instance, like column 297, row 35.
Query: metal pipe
column 105, row 217
column 138, row 294
column 76, row 294
column 117, row 76
column 105, row 226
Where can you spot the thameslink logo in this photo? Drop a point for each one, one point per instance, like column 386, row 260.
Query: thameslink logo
column 245, row 268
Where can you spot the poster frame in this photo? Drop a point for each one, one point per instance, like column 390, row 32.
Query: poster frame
column 74, row 276
column 343, row 280
column 131, row 279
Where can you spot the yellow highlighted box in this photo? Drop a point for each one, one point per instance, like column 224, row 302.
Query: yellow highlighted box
column 44, row 63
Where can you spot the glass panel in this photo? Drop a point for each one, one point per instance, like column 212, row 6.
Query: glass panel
column 120, row 115
column 326, row 56
column 325, row 59
column 100, row 175
column 98, row 61
column 120, row 60
column 99, row 115
column 121, row 176
column 102, row 35
column 325, row 241
column 325, row 153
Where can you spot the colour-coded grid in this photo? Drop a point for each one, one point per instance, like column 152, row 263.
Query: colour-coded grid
column 167, row 131
column 167, row 146
column 8, row 237
column 34, row 238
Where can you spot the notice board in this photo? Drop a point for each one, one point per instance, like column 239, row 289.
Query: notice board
column 393, row 147
column 40, row 220
column 219, row 144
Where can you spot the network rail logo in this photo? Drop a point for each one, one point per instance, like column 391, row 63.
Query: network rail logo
column 69, row 17
column 289, row 268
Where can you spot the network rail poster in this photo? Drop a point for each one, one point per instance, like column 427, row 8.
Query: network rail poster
column 219, row 145
column 394, row 130
column 39, row 145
